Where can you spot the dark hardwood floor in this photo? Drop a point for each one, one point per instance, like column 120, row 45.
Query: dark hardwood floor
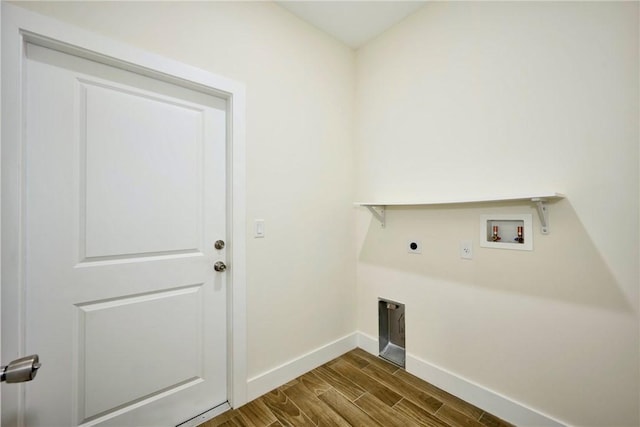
column 357, row 389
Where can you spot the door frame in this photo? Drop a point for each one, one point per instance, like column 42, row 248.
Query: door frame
column 20, row 26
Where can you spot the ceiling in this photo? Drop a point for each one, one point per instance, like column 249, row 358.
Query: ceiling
column 352, row 22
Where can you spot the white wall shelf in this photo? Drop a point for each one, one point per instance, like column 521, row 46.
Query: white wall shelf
column 377, row 209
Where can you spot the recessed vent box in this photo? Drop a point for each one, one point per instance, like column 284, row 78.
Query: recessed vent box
column 391, row 327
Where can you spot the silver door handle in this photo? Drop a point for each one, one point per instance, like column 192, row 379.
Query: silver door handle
column 20, row 370
column 219, row 266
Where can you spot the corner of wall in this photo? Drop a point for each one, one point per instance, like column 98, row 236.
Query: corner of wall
column 490, row 401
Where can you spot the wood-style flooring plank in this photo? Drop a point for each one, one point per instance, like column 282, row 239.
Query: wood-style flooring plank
column 285, row 410
column 221, row 419
column 236, row 421
column 320, row 413
column 353, row 358
column 347, row 410
column 493, row 421
column 447, row 398
column 386, row 416
column 420, row 398
column 289, row 384
column 418, row 414
column 455, row 418
column 313, row 383
column 340, row 383
column 257, row 414
column 376, row 361
column 358, row 377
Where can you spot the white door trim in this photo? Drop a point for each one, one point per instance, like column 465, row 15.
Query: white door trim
column 19, row 26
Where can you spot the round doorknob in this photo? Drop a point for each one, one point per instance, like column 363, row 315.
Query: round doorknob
column 219, row 266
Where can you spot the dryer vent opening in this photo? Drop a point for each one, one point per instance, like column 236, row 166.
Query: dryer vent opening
column 391, row 337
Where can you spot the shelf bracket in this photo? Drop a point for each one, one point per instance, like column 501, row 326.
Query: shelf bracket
column 543, row 213
column 378, row 215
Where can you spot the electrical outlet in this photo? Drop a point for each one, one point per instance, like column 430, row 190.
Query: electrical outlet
column 466, row 249
column 414, row 246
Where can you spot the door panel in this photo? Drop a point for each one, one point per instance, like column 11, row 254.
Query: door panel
column 115, row 339
column 143, row 172
column 124, row 198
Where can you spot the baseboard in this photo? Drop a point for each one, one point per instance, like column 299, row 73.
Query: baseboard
column 492, row 402
column 274, row 378
column 367, row 343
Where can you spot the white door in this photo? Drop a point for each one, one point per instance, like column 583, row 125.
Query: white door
column 124, row 197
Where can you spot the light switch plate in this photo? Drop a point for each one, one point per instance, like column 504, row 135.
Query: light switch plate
column 258, row 228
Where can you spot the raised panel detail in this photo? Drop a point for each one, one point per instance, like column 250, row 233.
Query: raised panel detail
column 140, row 174
column 126, row 345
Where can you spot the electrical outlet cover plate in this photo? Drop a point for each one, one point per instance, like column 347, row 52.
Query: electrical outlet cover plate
column 414, row 246
column 466, row 249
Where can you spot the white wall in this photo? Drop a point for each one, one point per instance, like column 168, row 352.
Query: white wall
column 300, row 278
column 477, row 98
